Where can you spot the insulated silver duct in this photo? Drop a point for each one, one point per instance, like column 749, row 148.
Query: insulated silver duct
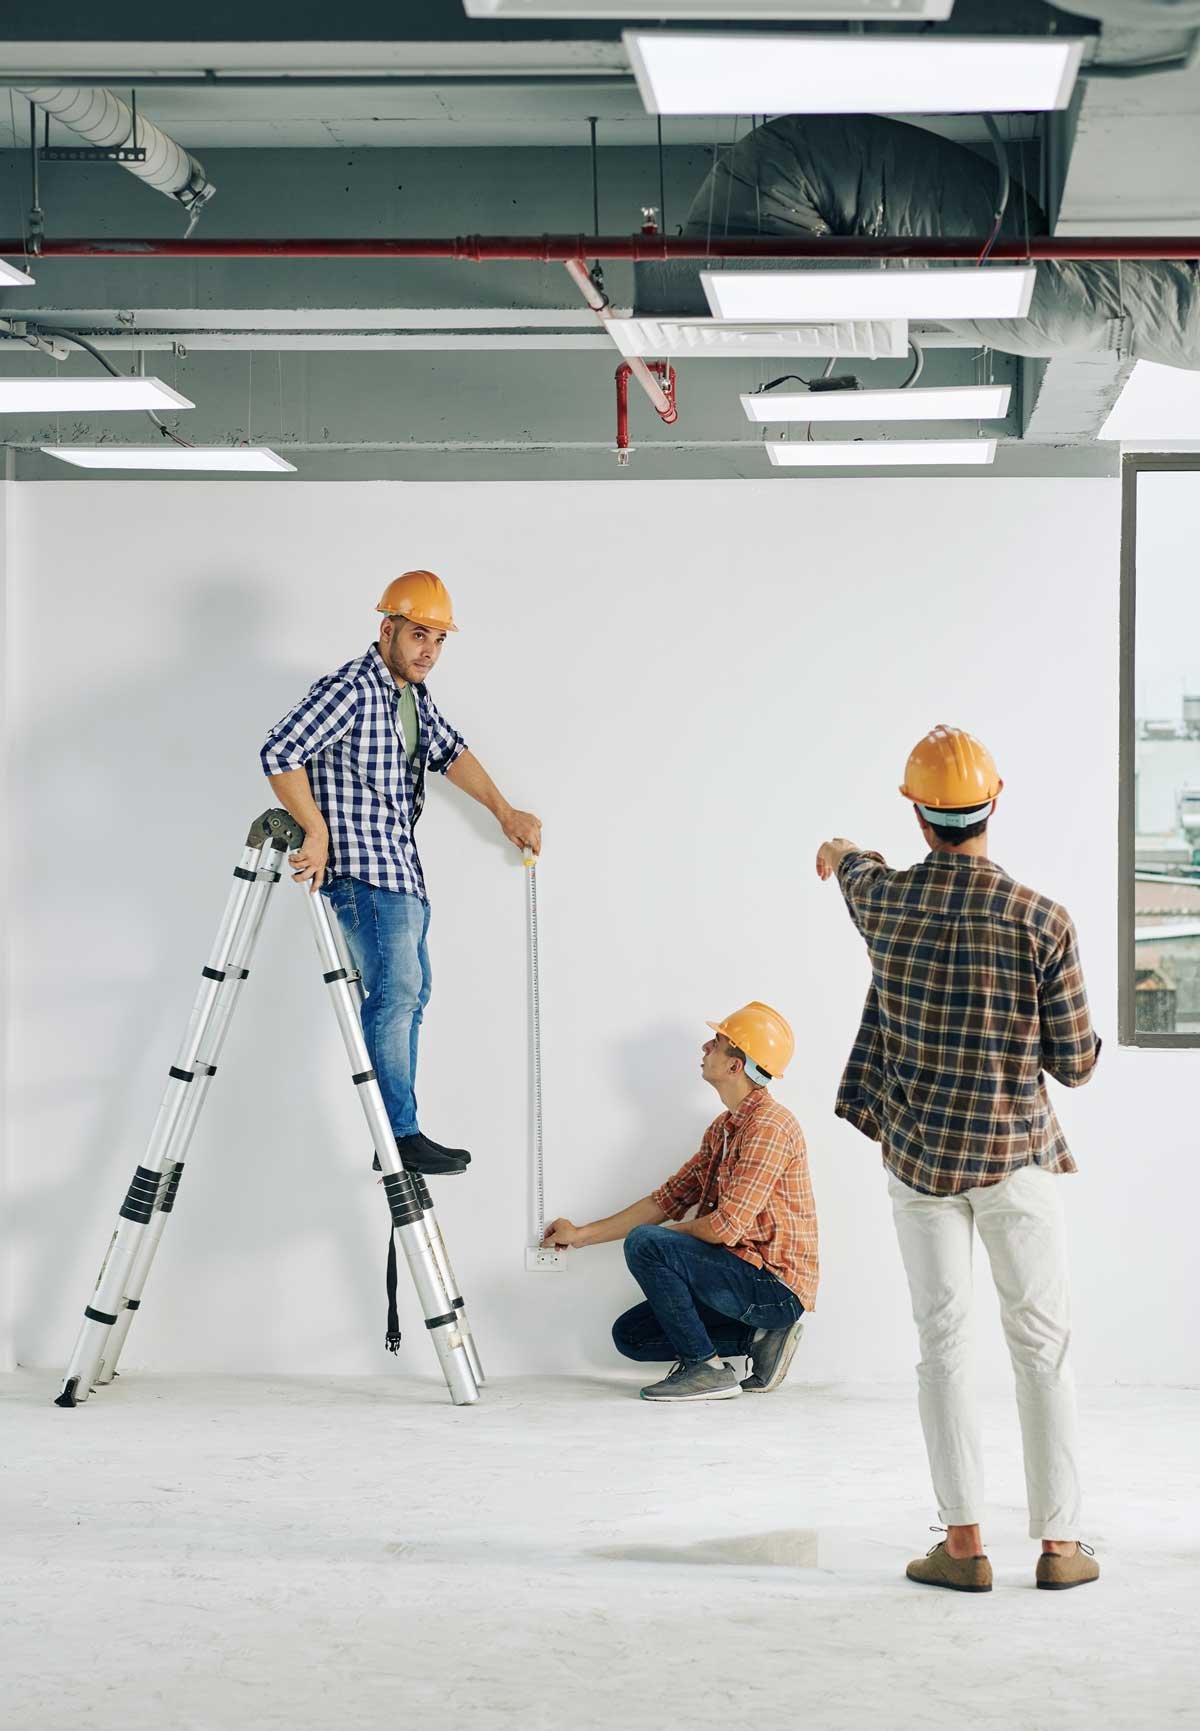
column 862, row 175
column 107, row 122
column 1144, row 14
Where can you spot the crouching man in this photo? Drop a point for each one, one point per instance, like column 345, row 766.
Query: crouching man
column 735, row 1280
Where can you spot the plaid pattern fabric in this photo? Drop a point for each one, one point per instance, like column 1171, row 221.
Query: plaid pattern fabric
column 347, row 730
column 976, row 990
column 750, row 1178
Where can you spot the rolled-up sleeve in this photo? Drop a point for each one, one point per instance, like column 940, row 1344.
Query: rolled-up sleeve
column 684, row 1190
column 1070, row 1047
column 764, row 1154
column 317, row 722
column 446, row 743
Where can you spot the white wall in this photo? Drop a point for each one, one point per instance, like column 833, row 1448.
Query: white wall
column 692, row 684
column 7, row 1360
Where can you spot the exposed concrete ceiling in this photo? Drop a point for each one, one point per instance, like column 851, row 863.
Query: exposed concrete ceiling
column 466, row 371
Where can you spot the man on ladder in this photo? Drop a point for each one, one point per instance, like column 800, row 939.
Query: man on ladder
column 370, row 731
column 976, row 990
column 349, row 763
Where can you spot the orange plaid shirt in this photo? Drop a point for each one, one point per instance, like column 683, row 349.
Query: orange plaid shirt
column 750, row 1179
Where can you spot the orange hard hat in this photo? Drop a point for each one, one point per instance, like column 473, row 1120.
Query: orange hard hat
column 762, row 1034
column 949, row 770
column 420, row 597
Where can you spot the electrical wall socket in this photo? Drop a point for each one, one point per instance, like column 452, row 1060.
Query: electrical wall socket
column 543, row 1257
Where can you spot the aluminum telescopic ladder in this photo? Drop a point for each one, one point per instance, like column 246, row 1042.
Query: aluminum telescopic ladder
column 155, row 1184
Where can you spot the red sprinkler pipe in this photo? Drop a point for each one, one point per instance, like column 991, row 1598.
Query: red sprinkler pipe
column 622, row 377
column 599, row 303
column 664, row 371
column 571, row 249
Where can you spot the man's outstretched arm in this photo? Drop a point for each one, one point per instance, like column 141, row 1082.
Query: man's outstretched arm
column 565, row 1235
column 521, row 827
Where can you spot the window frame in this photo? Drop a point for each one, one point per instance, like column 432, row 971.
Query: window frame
column 1128, row 1033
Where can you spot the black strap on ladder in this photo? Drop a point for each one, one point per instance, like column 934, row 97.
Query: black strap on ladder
column 393, row 1315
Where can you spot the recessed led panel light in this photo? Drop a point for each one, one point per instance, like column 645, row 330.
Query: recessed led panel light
column 868, row 339
column 243, row 459
column 69, row 396
column 690, row 73
column 993, row 292
column 937, row 403
column 11, row 277
column 881, row 453
column 892, row 11
column 1161, row 403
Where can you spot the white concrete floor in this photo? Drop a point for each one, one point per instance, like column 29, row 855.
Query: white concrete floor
column 205, row 1554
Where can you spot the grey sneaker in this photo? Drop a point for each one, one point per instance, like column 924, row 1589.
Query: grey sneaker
column 771, row 1352
column 702, row 1381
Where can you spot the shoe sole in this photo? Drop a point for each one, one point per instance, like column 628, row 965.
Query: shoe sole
column 1065, row 1586
column 754, row 1385
column 711, row 1394
column 948, row 1586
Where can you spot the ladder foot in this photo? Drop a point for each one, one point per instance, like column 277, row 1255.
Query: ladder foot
column 67, row 1397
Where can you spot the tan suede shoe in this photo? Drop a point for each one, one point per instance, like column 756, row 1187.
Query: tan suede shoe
column 961, row 1575
column 1055, row 1572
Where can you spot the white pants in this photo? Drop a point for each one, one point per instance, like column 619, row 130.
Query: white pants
column 1020, row 1223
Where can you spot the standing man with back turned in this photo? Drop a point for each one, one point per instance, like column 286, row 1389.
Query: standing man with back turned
column 349, row 763
column 976, row 990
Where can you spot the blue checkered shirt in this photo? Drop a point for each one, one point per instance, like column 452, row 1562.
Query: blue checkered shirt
column 347, row 730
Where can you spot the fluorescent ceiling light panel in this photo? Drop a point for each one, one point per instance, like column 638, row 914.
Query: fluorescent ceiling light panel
column 242, row 459
column 993, row 292
column 1159, row 403
column 936, row 403
column 690, row 73
column 700, row 339
column 71, row 396
column 891, row 10
column 11, row 277
column 881, row 453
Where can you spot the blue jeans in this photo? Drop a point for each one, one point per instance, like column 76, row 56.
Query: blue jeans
column 702, row 1300
column 386, row 933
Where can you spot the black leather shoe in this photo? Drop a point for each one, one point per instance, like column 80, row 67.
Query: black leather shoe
column 418, row 1155
column 441, row 1148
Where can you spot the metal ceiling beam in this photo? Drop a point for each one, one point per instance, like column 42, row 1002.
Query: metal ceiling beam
column 568, row 248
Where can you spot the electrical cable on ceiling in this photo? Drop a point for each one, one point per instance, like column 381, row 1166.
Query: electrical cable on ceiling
column 21, row 220
column 729, row 171
column 1005, row 187
column 918, row 364
column 662, row 185
column 57, row 334
column 795, row 379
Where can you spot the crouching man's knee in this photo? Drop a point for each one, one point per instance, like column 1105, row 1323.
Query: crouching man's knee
column 642, row 1242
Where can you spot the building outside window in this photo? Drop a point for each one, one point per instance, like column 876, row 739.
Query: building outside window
column 1160, row 753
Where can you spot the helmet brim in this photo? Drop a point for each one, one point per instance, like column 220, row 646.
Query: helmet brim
column 429, row 624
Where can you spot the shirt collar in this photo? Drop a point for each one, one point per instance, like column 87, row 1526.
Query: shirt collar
column 958, row 861
column 379, row 668
column 745, row 1110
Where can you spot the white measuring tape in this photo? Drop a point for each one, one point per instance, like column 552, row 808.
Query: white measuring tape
column 535, row 1040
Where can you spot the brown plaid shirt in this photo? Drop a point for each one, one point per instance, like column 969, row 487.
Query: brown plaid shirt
column 976, row 990
column 750, row 1178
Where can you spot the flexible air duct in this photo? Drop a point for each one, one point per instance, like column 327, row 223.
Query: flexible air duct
column 1142, row 14
column 107, row 122
column 862, row 175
